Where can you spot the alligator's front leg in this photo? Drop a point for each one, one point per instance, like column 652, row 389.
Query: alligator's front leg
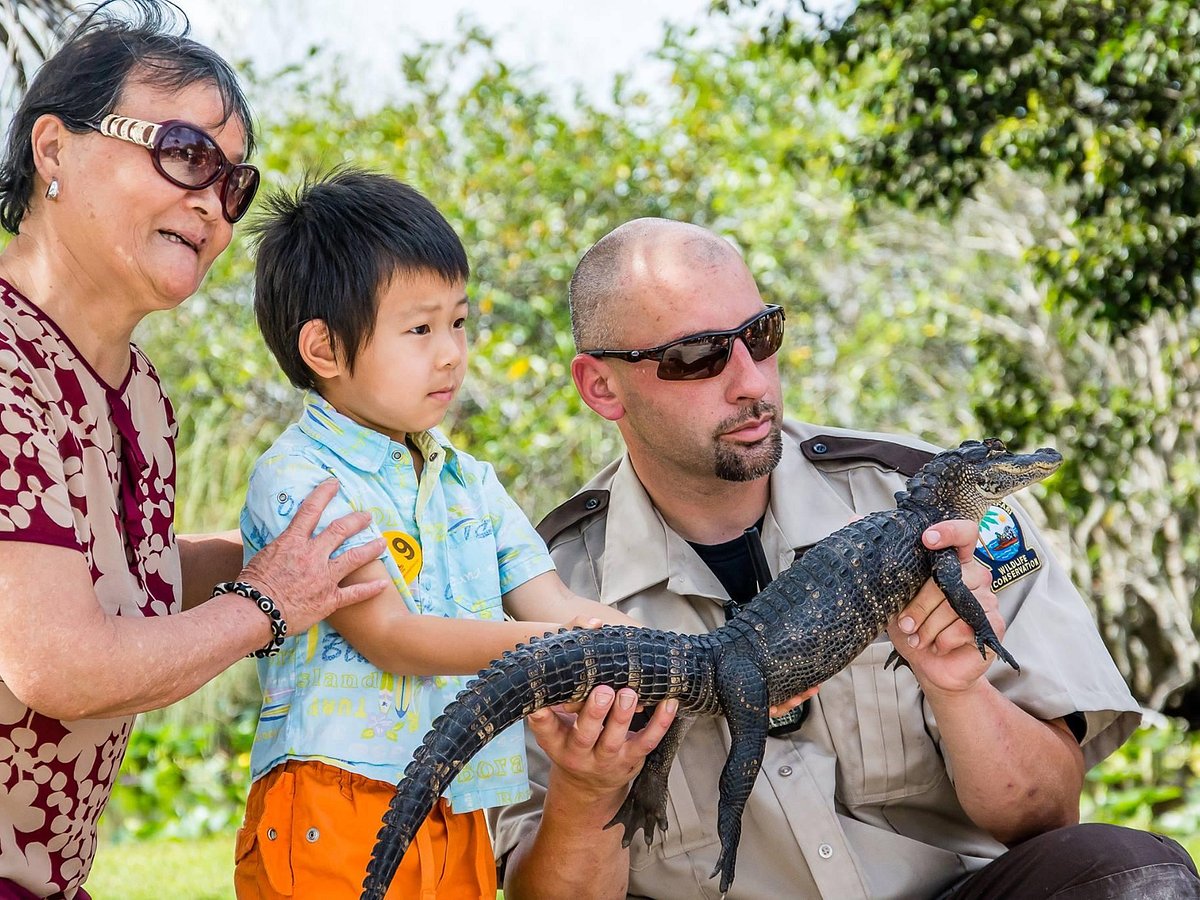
column 947, row 573
column 742, row 689
column 645, row 805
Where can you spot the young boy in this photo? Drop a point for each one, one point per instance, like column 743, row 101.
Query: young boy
column 360, row 295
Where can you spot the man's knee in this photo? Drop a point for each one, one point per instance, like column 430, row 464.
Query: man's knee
column 1092, row 861
column 1111, row 861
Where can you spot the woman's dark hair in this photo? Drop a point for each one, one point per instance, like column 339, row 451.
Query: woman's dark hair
column 83, row 81
column 328, row 251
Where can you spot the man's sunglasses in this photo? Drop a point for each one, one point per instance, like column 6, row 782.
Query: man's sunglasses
column 704, row 355
column 189, row 158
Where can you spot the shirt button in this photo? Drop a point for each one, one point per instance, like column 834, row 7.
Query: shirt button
column 312, row 834
column 825, row 851
column 591, row 503
column 396, row 454
column 820, row 448
column 785, row 771
column 272, row 834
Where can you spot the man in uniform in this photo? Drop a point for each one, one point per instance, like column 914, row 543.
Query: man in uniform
column 905, row 782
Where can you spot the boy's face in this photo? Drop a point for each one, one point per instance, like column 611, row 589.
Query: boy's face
column 412, row 366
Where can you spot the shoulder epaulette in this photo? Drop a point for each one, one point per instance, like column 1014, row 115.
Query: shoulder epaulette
column 567, row 514
column 829, row 448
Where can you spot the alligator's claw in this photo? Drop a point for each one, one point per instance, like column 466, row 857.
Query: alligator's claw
column 984, row 641
column 725, row 864
column 645, row 807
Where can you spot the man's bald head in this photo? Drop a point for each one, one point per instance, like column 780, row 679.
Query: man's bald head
column 625, row 266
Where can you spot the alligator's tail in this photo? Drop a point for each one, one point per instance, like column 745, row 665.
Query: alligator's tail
column 557, row 668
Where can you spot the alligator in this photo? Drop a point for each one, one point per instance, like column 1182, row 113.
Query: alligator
column 804, row 627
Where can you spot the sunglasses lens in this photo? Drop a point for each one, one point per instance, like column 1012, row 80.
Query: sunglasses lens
column 705, row 355
column 240, row 188
column 189, row 157
column 764, row 337
column 700, row 357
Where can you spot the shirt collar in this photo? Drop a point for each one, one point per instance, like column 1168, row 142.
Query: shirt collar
column 362, row 447
column 804, row 508
column 641, row 550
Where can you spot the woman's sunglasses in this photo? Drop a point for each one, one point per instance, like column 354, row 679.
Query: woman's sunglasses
column 189, row 158
column 704, row 355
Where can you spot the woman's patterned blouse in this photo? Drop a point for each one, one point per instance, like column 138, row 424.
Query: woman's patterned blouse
column 89, row 468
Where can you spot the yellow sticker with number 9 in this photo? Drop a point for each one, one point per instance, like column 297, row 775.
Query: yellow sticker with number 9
column 406, row 551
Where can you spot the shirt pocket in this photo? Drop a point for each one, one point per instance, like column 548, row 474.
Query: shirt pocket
column 877, row 725
column 474, row 570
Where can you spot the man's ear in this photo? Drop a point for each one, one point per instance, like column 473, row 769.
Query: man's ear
column 316, row 349
column 595, row 383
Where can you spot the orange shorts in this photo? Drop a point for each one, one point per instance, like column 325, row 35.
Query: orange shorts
column 310, row 829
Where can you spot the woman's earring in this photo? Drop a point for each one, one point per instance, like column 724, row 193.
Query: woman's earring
column 52, row 190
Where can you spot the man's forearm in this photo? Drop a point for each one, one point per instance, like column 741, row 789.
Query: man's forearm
column 1015, row 775
column 572, row 854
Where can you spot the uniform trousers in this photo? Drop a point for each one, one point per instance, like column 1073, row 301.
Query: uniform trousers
column 1086, row 862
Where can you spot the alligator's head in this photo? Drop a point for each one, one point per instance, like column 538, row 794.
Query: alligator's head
column 962, row 483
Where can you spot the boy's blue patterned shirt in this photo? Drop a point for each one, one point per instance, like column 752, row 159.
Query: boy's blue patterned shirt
column 455, row 543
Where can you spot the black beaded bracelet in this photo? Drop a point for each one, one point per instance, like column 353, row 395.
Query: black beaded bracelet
column 267, row 605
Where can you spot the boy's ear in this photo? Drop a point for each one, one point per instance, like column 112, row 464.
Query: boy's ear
column 317, row 350
column 594, row 381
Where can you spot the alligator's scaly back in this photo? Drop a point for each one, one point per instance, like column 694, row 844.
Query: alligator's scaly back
column 807, row 625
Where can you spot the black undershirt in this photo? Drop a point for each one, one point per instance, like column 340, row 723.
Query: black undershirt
column 733, row 565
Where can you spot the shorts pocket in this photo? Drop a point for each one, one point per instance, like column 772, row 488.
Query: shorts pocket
column 271, row 837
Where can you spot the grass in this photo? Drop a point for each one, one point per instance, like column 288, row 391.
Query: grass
column 198, row 869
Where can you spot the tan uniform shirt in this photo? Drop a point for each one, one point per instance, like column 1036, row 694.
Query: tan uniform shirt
column 858, row 803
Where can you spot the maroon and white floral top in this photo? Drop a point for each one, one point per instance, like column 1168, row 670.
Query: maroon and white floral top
column 91, row 468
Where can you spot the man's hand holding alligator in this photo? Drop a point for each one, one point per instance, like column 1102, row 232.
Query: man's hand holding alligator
column 931, row 637
column 594, row 748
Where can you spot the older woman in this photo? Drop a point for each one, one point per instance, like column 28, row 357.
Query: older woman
column 122, row 180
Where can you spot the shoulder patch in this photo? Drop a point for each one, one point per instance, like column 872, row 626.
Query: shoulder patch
column 579, row 507
column 828, row 448
column 1002, row 547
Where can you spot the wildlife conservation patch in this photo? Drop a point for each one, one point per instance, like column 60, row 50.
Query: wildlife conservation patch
column 1002, row 547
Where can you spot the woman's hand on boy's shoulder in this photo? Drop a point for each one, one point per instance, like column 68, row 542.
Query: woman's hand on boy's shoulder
column 298, row 570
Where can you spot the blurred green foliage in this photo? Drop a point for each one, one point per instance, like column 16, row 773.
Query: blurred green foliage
column 1152, row 782
column 1102, row 96
column 186, row 772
